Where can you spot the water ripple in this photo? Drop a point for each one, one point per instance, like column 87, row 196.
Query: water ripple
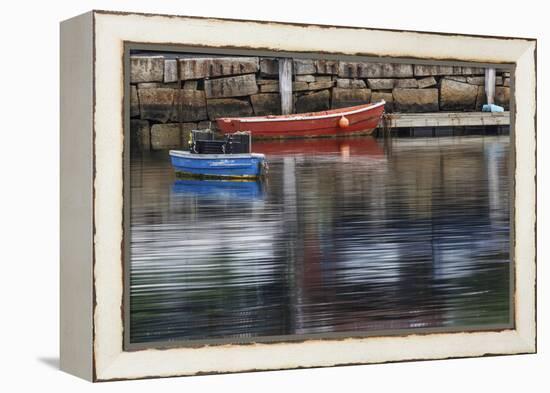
column 349, row 237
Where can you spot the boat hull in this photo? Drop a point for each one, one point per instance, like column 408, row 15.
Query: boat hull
column 358, row 119
column 218, row 166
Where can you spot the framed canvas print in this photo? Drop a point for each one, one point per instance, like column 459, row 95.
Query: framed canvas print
column 246, row 195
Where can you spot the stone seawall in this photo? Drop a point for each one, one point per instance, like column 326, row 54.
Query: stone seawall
column 165, row 106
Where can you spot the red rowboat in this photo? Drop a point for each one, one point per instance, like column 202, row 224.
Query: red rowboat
column 361, row 118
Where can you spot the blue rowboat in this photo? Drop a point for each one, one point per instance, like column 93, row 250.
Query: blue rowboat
column 218, row 166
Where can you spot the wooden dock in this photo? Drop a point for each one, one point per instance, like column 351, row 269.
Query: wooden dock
column 447, row 119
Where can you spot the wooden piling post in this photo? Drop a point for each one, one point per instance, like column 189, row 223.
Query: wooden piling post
column 180, row 102
column 285, row 85
column 490, row 81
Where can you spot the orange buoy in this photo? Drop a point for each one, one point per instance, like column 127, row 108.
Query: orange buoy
column 343, row 122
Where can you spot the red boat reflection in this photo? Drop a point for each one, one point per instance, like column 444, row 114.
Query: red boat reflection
column 343, row 146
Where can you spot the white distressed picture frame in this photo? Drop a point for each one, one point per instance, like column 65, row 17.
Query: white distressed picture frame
column 92, row 189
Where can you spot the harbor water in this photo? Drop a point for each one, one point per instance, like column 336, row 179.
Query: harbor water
column 343, row 235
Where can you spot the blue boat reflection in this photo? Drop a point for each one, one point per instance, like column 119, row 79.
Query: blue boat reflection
column 220, row 189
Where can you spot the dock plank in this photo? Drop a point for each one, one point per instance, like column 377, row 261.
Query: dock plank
column 445, row 119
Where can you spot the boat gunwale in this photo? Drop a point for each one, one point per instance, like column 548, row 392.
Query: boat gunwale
column 186, row 154
column 301, row 117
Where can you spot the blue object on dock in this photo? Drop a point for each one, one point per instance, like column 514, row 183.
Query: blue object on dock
column 220, row 166
column 492, row 108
